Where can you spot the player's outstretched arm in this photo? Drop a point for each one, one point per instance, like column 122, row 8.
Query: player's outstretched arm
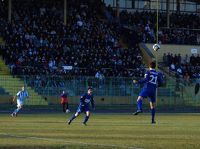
column 82, row 98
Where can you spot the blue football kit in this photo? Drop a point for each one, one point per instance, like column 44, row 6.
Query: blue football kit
column 152, row 80
column 84, row 104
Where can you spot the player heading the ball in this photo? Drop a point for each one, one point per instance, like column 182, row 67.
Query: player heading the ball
column 151, row 81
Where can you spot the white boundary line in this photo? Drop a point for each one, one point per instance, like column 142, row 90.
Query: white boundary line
column 66, row 142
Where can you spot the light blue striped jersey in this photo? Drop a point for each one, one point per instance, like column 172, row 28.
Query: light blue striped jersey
column 22, row 95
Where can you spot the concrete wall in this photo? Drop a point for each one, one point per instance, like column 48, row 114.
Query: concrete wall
column 5, row 99
column 108, row 100
column 98, row 100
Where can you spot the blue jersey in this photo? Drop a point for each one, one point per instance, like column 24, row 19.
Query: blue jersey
column 22, row 95
column 152, row 80
column 85, row 102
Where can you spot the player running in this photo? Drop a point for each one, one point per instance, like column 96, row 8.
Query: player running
column 151, row 81
column 84, row 106
column 21, row 96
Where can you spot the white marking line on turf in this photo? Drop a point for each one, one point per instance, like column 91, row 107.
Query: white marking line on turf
column 67, row 142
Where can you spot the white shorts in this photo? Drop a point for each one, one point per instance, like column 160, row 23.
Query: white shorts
column 20, row 103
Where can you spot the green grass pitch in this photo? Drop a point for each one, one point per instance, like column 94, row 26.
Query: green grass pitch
column 104, row 131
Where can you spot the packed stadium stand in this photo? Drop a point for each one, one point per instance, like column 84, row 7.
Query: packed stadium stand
column 93, row 42
column 37, row 42
column 178, row 32
column 183, row 66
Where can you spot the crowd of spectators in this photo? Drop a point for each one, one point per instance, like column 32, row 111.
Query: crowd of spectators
column 3, row 16
column 38, row 43
column 183, row 27
column 185, row 67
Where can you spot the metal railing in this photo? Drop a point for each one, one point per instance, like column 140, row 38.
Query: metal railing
column 116, row 91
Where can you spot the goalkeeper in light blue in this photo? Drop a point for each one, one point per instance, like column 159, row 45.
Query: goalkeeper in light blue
column 21, row 96
column 151, row 81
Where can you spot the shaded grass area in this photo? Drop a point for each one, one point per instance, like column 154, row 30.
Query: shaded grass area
column 104, row 131
column 114, row 108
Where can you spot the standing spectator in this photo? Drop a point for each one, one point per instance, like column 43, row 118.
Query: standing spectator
column 165, row 59
column 187, row 79
column 186, row 59
column 65, row 102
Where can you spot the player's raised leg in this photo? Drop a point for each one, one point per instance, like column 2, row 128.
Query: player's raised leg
column 15, row 111
column 139, row 105
column 19, row 107
column 73, row 117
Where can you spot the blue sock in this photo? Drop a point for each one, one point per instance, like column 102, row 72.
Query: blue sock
column 16, row 110
column 86, row 119
column 139, row 105
column 153, row 111
column 73, row 117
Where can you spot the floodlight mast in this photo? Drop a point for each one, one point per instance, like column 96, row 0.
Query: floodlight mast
column 157, row 32
column 157, row 52
column 9, row 10
column 65, row 12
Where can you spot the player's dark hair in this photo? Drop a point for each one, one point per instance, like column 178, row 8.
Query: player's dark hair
column 152, row 64
column 89, row 88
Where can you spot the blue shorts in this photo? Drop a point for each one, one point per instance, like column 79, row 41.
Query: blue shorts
column 151, row 94
column 83, row 109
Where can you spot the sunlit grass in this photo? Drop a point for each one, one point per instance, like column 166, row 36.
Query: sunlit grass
column 181, row 131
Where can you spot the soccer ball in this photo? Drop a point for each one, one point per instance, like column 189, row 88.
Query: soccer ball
column 67, row 111
column 156, row 47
